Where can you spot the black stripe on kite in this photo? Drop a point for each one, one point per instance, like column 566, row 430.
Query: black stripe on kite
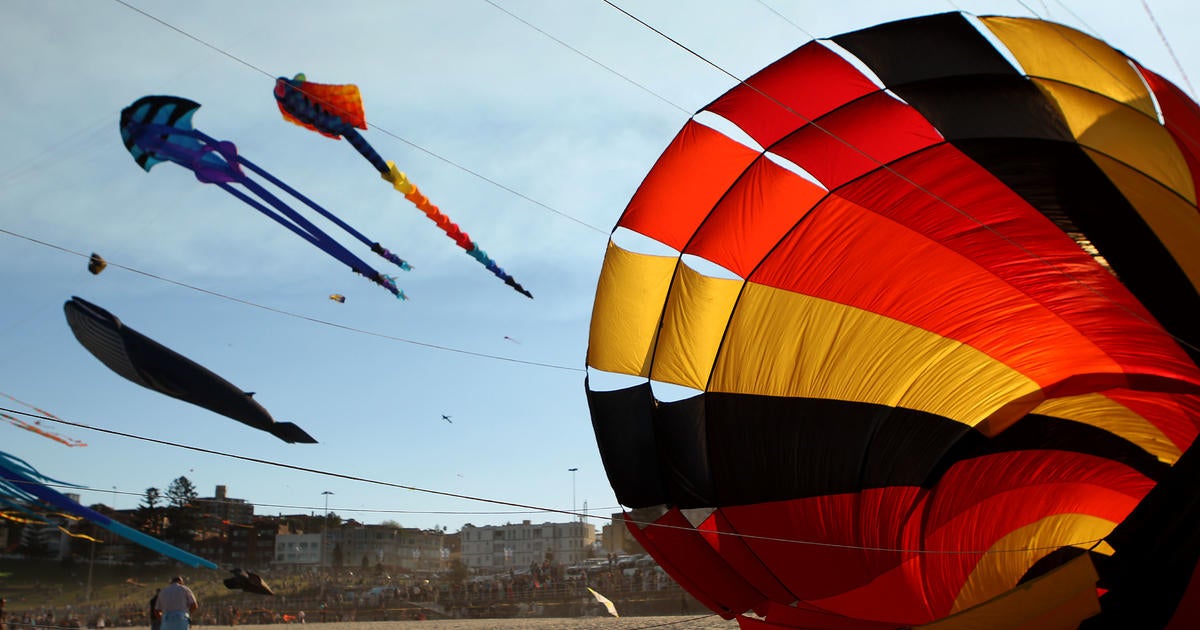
column 722, row 449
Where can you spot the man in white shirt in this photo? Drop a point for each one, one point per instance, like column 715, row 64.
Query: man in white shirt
column 177, row 602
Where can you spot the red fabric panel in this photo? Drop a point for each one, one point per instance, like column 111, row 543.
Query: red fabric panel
column 883, row 245
column 1187, row 613
column 850, row 255
column 1175, row 415
column 830, row 82
column 684, row 580
column 858, row 540
column 792, row 537
column 689, row 178
column 681, row 546
column 857, row 139
column 760, row 208
column 981, row 500
column 717, row 530
column 895, row 597
column 971, row 482
column 1181, row 117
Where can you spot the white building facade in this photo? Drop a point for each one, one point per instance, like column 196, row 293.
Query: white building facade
column 514, row 546
column 298, row 549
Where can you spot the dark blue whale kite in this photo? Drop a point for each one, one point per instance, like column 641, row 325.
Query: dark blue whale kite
column 154, row 366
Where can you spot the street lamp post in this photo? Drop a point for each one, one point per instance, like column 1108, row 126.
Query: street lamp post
column 321, row 563
column 114, row 515
column 91, row 560
column 572, row 471
column 324, row 528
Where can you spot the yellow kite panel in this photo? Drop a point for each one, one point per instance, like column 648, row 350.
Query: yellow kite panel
column 790, row 345
column 1053, row 51
column 694, row 323
column 628, row 309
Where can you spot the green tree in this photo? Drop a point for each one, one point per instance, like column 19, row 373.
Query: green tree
column 181, row 492
column 182, row 512
column 148, row 517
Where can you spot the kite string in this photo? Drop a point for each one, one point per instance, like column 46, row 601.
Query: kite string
column 332, row 508
column 1170, row 50
column 307, row 318
column 990, row 228
column 524, row 506
column 382, row 130
column 592, row 59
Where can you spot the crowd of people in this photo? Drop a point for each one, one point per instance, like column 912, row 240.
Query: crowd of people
column 310, row 596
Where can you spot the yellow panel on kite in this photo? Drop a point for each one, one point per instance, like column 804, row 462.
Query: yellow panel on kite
column 1102, row 412
column 696, row 316
column 1174, row 221
column 1013, row 554
column 628, row 309
column 1122, row 133
column 1053, row 51
column 785, row 344
column 1059, row 600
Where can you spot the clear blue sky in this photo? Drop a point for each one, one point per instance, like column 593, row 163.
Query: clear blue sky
column 532, row 147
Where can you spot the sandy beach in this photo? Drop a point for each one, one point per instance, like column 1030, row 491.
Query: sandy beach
column 702, row 622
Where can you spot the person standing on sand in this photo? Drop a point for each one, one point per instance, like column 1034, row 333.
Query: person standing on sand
column 155, row 614
column 176, row 602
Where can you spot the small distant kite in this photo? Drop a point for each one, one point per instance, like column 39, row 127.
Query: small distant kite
column 512, row 340
column 335, row 111
column 447, row 419
column 159, row 128
column 243, row 580
column 22, row 488
column 154, row 366
column 96, row 264
column 608, row 604
column 338, row 297
column 36, row 426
